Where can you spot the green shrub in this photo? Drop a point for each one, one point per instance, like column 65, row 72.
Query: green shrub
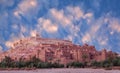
column 75, row 65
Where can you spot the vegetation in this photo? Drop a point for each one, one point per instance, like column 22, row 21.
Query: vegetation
column 104, row 64
column 34, row 62
column 75, row 65
column 107, row 63
column 116, row 61
column 85, row 59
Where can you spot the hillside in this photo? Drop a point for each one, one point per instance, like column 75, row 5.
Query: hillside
column 54, row 50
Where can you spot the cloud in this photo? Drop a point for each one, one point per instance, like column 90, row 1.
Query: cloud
column 86, row 38
column 69, row 19
column 60, row 17
column 66, row 18
column 26, row 5
column 17, row 14
column 5, row 3
column 73, row 32
column 72, row 22
column 96, row 4
column 95, row 28
column 103, row 40
column 3, row 20
column 97, row 32
column 1, row 49
column 88, row 16
column 69, row 37
column 68, row 15
column 91, row 33
column 47, row 25
column 15, row 26
column 112, row 32
column 33, row 33
column 15, row 36
column 114, row 25
column 23, row 29
column 9, row 44
column 76, row 12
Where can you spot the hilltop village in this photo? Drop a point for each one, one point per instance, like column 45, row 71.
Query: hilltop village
column 54, row 50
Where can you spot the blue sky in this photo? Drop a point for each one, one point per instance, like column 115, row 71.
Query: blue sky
column 95, row 22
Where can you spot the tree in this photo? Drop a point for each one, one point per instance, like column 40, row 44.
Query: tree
column 6, row 62
column 85, row 59
column 75, row 64
column 95, row 64
column 106, row 63
column 116, row 61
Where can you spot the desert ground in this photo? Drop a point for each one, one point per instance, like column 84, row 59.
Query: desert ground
column 70, row 70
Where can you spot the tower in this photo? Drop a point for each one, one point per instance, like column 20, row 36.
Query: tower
column 103, row 55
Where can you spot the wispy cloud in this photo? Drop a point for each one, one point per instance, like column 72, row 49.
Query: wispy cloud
column 115, row 25
column 1, row 49
column 9, row 44
column 15, row 26
column 92, row 32
column 25, row 6
column 75, row 12
column 103, row 41
column 47, row 25
column 66, row 19
column 5, row 3
column 72, row 22
column 33, row 33
column 89, row 17
column 60, row 17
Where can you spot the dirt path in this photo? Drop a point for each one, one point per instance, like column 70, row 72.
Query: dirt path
column 63, row 71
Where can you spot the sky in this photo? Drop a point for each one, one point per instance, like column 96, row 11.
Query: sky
column 95, row 22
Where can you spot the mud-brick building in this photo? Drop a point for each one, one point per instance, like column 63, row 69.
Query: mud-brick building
column 54, row 50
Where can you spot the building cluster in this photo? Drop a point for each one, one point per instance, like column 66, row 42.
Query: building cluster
column 54, row 50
